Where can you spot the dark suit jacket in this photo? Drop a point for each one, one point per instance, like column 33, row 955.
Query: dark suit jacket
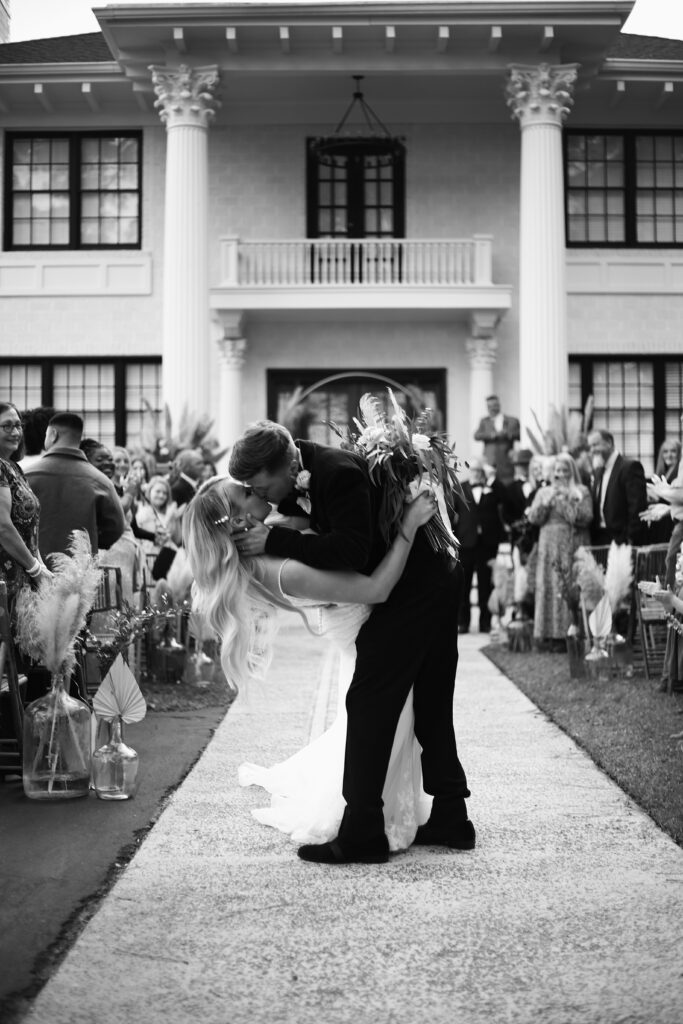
column 625, row 499
column 344, row 511
column 182, row 491
column 480, row 523
column 515, row 500
column 497, row 446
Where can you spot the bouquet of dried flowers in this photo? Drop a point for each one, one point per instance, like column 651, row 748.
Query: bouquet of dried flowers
column 50, row 617
column 405, row 456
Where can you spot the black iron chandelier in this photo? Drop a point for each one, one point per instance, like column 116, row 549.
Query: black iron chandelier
column 359, row 127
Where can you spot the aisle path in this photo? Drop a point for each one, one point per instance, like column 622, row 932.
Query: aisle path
column 569, row 911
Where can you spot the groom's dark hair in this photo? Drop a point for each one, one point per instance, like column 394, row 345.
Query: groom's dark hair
column 263, row 445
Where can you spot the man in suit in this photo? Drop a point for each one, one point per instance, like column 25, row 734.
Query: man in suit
column 498, row 432
column 480, row 530
column 407, row 641
column 619, row 493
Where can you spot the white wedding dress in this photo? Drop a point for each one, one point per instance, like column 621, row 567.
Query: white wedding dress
column 306, row 789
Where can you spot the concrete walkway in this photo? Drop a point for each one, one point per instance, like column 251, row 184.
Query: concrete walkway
column 570, row 909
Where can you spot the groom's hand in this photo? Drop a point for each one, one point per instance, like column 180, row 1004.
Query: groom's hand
column 253, row 540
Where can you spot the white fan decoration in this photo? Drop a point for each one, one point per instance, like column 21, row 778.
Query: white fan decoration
column 119, row 695
column 600, row 619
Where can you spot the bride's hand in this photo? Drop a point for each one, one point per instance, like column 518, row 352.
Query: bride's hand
column 418, row 512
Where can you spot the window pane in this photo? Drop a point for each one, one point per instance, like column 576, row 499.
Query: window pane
column 21, row 151
column 40, row 204
column 21, row 177
column 129, row 151
column 615, row 229
column 615, row 175
column 665, row 231
column 22, row 233
column 664, row 177
column 576, row 172
column 128, row 205
column 596, row 175
column 21, row 207
column 90, row 231
column 664, row 205
column 645, row 149
column 59, row 205
column 109, row 205
column 595, row 147
column 596, row 202
column 646, row 230
column 577, row 230
column 109, row 151
column 41, row 151
column 645, row 175
column 90, row 151
column 645, row 203
column 128, row 176
column 40, row 232
column 663, row 147
column 60, row 151
column 40, row 176
column 109, row 176
column 90, row 176
column 90, row 205
column 60, row 232
column 596, row 229
column 576, row 147
column 128, row 231
column 59, row 176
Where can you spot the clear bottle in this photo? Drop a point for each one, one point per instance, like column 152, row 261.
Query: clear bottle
column 115, row 766
column 56, row 745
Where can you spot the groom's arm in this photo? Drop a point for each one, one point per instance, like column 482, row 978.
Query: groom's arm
column 347, row 543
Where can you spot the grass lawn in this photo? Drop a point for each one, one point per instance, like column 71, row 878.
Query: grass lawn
column 624, row 725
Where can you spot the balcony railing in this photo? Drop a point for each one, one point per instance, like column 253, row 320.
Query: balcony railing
column 362, row 263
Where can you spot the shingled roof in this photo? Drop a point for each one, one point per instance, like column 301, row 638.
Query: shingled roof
column 629, row 47
column 83, row 49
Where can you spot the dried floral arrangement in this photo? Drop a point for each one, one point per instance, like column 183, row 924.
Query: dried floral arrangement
column 604, row 590
column 50, row 618
column 406, row 455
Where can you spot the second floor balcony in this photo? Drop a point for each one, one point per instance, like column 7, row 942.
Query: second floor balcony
column 450, row 274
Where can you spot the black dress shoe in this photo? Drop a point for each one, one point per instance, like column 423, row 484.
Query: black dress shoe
column 376, row 851
column 460, row 836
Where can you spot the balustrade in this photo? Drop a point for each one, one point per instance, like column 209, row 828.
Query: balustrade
column 374, row 263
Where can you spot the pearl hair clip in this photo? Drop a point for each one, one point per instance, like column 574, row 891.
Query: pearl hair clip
column 223, row 519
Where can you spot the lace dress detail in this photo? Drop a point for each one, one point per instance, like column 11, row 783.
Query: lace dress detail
column 306, row 789
column 24, row 514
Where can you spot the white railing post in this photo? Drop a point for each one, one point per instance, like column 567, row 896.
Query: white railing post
column 482, row 259
column 229, row 260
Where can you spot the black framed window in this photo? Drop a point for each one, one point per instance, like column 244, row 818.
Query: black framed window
column 73, row 190
column 107, row 393
column 356, row 191
column 638, row 400
column 305, row 401
column 624, row 188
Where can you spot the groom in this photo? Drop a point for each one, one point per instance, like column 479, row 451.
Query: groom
column 410, row 640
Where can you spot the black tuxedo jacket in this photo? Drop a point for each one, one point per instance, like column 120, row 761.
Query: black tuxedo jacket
column 344, row 510
column 480, row 523
column 515, row 501
column 625, row 499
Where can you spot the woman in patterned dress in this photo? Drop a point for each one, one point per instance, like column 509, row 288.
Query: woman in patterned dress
column 562, row 509
column 20, row 561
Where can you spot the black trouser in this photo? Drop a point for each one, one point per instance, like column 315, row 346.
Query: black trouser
column 477, row 560
column 411, row 640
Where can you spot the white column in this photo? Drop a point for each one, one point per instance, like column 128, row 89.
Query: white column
column 232, row 355
column 186, row 104
column 482, row 352
column 540, row 98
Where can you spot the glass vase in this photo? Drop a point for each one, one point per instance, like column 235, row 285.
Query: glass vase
column 114, row 765
column 598, row 661
column 57, row 738
column 576, row 650
column 199, row 667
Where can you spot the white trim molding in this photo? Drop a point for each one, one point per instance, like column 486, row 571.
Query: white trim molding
column 83, row 272
column 619, row 272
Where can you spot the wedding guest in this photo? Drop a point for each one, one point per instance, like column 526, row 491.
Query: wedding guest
column 480, row 529
column 20, row 560
column 666, row 470
column 672, row 676
column 519, row 494
column 498, row 433
column 562, row 511
column 155, row 513
column 186, row 474
column 34, row 423
column 619, row 493
column 73, row 494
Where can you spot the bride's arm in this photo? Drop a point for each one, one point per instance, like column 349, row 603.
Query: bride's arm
column 299, row 580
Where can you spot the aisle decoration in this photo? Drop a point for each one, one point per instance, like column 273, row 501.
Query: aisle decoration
column 406, row 456
column 602, row 594
column 56, row 753
column 114, row 764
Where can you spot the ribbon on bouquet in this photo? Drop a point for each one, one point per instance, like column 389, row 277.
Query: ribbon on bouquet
column 425, row 483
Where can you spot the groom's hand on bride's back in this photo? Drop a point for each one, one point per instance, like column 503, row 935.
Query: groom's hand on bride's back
column 252, row 540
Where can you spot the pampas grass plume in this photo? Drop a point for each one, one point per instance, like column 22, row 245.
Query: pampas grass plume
column 619, row 574
column 49, row 618
column 590, row 577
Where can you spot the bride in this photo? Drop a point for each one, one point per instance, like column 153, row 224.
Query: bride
column 240, row 597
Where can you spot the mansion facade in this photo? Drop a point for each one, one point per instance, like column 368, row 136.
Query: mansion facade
column 266, row 209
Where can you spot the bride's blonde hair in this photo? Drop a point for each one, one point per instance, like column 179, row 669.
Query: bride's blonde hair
column 223, row 589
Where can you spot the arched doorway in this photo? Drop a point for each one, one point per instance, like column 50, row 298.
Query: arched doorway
column 306, row 401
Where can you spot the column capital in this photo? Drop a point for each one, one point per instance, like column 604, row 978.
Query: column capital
column 541, row 93
column 185, row 94
column 482, row 352
column 233, row 352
